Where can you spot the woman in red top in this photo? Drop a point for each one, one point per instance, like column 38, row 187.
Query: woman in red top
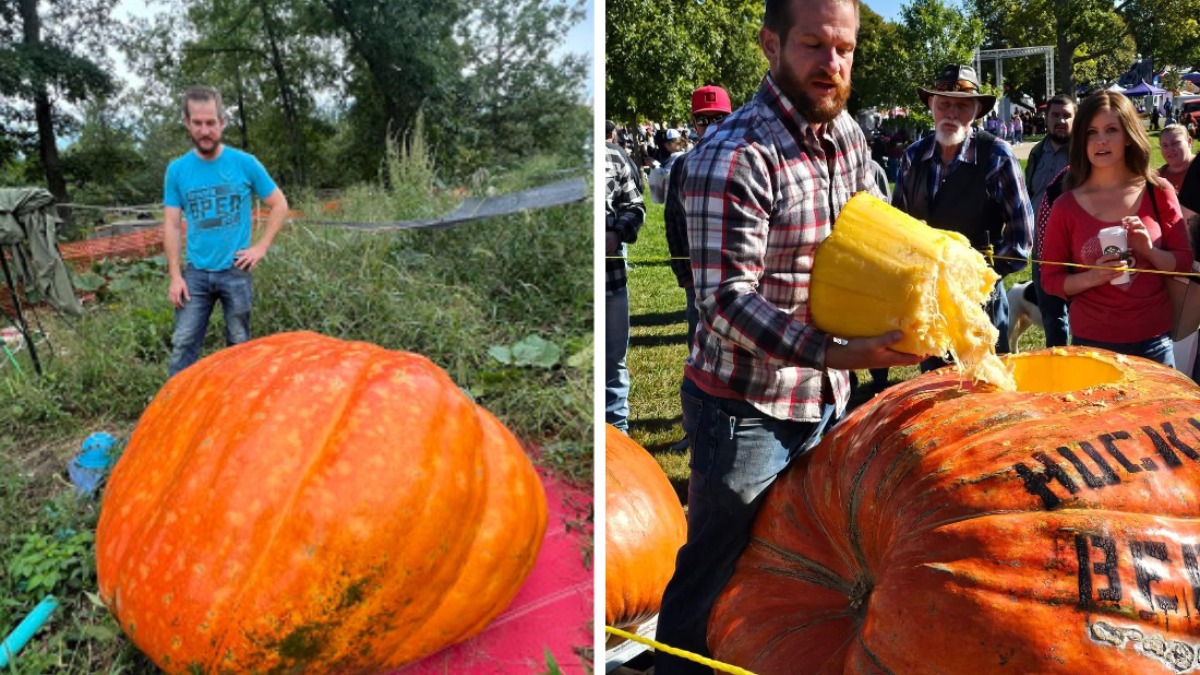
column 1110, row 183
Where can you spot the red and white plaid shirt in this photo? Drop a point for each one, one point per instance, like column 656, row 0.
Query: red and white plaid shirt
column 760, row 193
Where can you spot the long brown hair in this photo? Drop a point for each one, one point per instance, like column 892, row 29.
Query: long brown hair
column 1137, row 153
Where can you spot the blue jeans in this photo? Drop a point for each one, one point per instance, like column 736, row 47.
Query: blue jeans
column 997, row 310
column 736, row 453
column 233, row 288
column 1160, row 349
column 1054, row 313
column 616, row 347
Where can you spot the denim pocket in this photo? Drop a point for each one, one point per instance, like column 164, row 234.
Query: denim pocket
column 740, row 415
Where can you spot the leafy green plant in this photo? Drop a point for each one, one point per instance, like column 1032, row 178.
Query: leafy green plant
column 50, row 563
column 533, row 351
column 112, row 276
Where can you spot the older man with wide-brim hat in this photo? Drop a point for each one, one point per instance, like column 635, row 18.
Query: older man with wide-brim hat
column 959, row 82
column 966, row 180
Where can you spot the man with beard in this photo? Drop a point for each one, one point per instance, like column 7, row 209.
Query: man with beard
column 213, row 184
column 966, row 180
column 760, row 192
column 1046, row 161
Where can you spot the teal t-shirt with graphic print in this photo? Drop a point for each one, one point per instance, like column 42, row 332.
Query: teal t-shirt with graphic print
column 215, row 197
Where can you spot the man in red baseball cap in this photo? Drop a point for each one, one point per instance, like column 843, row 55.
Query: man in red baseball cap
column 710, row 105
column 708, row 101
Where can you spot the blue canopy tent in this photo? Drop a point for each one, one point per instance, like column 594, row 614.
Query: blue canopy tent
column 1143, row 89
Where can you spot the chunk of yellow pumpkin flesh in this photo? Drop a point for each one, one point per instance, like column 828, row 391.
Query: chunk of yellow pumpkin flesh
column 882, row 270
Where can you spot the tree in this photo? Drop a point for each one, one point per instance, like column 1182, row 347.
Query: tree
column 658, row 51
column 1167, row 30
column 1090, row 40
column 650, row 59
column 407, row 49
column 268, row 59
column 51, row 54
column 104, row 164
column 734, row 60
column 879, row 58
column 520, row 92
column 935, row 34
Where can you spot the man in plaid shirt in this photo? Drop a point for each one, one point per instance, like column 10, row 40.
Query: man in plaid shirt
column 760, row 192
column 624, row 213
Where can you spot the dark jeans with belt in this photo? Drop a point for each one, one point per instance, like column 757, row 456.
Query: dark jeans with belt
column 736, row 453
column 1160, row 349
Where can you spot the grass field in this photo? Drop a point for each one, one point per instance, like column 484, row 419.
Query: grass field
column 657, row 343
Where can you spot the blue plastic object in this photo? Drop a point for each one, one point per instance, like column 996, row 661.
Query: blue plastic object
column 90, row 466
column 25, row 630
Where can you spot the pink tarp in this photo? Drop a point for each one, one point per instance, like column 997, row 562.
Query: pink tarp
column 552, row 612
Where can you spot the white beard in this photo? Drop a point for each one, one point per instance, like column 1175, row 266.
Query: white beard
column 951, row 138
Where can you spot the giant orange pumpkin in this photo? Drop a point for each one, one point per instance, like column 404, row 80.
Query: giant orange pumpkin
column 644, row 528
column 303, row 504
column 948, row 528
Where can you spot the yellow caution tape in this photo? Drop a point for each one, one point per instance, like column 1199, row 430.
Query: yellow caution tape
column 716, row 665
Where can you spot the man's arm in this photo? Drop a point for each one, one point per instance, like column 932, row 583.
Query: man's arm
column 247, row 259
column 1012, row 252
column 628, row 209
column 900, row 195
column 1031, row 163
column 675, row 223
column 177, row 290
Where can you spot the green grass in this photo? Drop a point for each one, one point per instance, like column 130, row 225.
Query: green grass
column 657, row 349
column 459, row 296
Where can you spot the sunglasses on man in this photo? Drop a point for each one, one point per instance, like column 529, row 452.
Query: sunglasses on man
column 705, row 120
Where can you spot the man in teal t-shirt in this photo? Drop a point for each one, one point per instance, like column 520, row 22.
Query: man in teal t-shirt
column 213, row 187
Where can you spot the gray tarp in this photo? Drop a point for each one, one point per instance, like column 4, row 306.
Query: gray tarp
column 566, row 191
column 29, row 229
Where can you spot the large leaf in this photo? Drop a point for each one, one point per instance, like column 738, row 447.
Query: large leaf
column 535, row 351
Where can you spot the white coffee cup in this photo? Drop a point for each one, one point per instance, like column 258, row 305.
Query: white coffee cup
column 1115, row 239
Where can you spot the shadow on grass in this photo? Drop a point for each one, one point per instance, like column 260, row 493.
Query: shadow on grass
column 649, row 262
column 658, row 425
column 659, row 318
column 658, row 341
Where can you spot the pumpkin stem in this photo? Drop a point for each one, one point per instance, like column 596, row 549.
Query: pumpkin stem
column 860, row 592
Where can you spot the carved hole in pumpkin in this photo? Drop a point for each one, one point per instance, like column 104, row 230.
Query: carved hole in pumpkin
column 1056, row 373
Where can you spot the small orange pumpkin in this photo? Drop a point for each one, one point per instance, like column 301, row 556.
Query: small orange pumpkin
column 950, row 528
column 300, row 503
column 644, row 528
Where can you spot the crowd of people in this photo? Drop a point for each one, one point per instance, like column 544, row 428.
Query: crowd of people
column 747, row 207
